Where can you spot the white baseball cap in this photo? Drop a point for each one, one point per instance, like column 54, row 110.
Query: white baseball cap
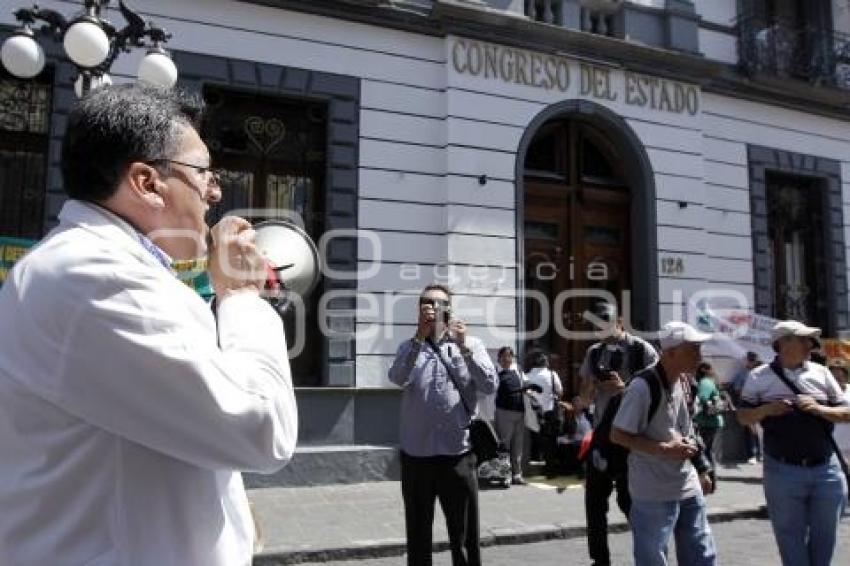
column 794, row 328
column 676, row 333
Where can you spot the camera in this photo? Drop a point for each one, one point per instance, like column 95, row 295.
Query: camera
column 609, row 358
column 699, row 460
column 443, row 308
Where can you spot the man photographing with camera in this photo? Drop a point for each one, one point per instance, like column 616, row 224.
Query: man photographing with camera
column 440, row 369
column 608, row 365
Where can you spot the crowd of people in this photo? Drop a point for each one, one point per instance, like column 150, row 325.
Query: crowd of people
column 645, row 423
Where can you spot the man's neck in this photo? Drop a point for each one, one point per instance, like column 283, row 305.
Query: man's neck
column 616, row 336
column 671, row 370
column 791, row 363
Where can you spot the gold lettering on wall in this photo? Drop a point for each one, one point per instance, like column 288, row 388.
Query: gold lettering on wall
column 511, row 65
column 554, row 72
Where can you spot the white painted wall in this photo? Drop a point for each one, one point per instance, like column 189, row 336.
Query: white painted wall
column 650, row 3
column 721, row 12
column 403, row 134
column 729, row 125
column 719, row 46
column 841, row 16
column 673, row 144
column 427, row 133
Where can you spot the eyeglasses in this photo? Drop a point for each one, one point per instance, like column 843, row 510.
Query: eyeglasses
column 436, row 303
column 213, row 175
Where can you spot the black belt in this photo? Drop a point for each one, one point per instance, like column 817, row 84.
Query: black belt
column 802, row 462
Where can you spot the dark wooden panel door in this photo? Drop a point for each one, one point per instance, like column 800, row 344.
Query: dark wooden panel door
column 547, row 253
column 576, row 230
column 601, row 257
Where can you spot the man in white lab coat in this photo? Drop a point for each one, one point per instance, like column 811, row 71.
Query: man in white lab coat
column 127, row 408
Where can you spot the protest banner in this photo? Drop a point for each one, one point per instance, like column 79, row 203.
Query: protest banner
column 192, row 272
column 736, row 331
column 11, row 250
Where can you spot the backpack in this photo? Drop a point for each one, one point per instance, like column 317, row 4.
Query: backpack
column 607, row 456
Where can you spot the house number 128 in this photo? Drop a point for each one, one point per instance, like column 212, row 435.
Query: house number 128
column 672, row 266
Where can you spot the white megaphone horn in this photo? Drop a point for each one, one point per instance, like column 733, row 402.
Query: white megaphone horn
column 293, row 261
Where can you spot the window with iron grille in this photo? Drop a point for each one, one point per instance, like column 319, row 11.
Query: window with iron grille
column 797, row 261
column 24, row 132
column 793, row 39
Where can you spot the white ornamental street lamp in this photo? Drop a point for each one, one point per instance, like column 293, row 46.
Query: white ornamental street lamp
column 91, row 43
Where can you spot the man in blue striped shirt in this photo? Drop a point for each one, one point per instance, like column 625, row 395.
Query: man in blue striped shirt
column 440, row 370
column 798, row 402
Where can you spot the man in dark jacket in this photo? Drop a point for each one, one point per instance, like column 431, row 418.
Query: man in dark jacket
column 608, row 365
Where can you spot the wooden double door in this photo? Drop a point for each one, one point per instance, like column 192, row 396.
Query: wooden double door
column 577, row 242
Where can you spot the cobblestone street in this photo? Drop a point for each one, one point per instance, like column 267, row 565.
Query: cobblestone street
column 747, row 542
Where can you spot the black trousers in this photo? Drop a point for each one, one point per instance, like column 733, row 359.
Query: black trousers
column 598, row 488
column 452, row 480
column 708, row 436
column 544, row 446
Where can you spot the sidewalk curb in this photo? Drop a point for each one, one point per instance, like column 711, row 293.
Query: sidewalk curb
column 495, row 537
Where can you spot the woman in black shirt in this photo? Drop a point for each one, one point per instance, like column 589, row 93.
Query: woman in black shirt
column 510, row 411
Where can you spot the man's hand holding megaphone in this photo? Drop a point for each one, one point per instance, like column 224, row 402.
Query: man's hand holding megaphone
column 235, row 263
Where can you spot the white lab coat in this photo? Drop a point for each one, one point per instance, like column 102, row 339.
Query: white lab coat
column 125, row 411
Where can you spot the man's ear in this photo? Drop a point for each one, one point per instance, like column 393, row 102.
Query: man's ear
column 146, row 184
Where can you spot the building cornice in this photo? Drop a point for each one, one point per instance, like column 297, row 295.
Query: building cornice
column 477, row 21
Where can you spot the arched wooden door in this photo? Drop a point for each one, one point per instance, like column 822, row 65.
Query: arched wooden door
column 576, row 234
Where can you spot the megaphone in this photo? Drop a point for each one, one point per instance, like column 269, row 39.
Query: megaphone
column 293, row 262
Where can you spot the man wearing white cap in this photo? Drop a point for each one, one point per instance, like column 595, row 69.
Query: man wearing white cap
column 797, row 402
column 668, row 474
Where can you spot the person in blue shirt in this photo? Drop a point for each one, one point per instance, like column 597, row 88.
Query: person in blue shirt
column 753, row 445
column 510, row 410
column 798, row 402
column 440, row 371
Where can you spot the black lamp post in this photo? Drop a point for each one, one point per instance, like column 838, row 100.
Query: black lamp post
column 91, row 43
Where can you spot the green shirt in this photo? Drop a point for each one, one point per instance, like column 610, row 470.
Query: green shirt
column 708, row 396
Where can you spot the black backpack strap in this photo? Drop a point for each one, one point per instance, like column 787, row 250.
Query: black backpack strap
column 654, row 396
column 555, row 396
column 780, row 373
column 654, row 384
